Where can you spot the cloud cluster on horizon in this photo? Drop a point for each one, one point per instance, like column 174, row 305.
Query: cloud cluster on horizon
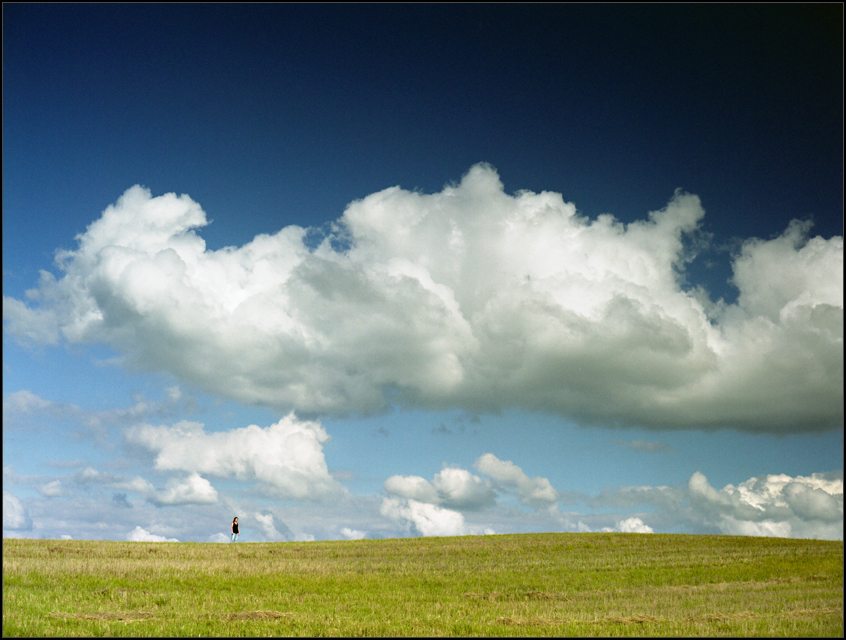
column 468, row 298
column 139, row 534
column 435, row 508
column 769, row 505
column 286, row 460
column 454, row 502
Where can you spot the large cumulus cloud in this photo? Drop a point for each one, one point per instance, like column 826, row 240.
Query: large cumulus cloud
column 469, row 298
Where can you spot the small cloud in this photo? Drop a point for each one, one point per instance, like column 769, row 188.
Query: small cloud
column 20, row 403
column 647, row 447
column 460, row 489
column 15, row 515
column 352, row 534
column 135, row 485
column 269, row 528
column 536, row 492
column 412, row 488
column 451, row 487
column 633, row 525
column 423, row 519
column 142, row 535
column 90, row 475
column 191, row 490
column 51, row 489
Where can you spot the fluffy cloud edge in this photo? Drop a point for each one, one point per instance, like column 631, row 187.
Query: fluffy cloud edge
column 468, row 298
column 285, row 458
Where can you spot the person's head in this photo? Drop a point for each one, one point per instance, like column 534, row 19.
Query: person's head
column 235, row 519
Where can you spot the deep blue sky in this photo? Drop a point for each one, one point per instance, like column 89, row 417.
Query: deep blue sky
column 284, row 114
column 273, row 115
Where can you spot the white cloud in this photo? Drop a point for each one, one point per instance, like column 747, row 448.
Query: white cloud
column 457, row 502
column 412, row 488
column 90, row 475
column 51, row 489
column 451, row 487
column 24, row 408
column 191, row 490
column 136, row 484
column 286, row 457
column 468, row 298
column 23, row 402
column 142, row 535
column 423, row 519
column 268, row 528
column 769, row 505
column 777, row 277
column 811, row 502
column 352, row 534
column 734, row 526
column 436, row 507
column 15, row 515
column 633, row 525
column 37, row 325
column 537, row 492
column 460, row 489
column 773, row 505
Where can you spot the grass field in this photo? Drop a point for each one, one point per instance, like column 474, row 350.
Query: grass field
column 576, row 584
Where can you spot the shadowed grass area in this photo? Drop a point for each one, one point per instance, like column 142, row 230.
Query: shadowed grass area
column 587, row 584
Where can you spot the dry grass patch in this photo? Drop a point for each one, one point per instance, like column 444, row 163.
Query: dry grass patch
column 257, row 615
column 120, row 616
column 636, row 619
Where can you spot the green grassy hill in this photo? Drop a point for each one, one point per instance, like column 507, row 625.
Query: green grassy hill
column 577, row 584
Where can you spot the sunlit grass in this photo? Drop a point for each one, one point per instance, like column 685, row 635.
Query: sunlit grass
column 594, row 584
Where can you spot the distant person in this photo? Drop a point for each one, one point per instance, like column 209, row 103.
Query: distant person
column 235, row 531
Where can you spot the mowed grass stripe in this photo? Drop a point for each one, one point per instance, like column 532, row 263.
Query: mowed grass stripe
column 592, row 584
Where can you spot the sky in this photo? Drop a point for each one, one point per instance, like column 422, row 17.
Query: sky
column 375, row 271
